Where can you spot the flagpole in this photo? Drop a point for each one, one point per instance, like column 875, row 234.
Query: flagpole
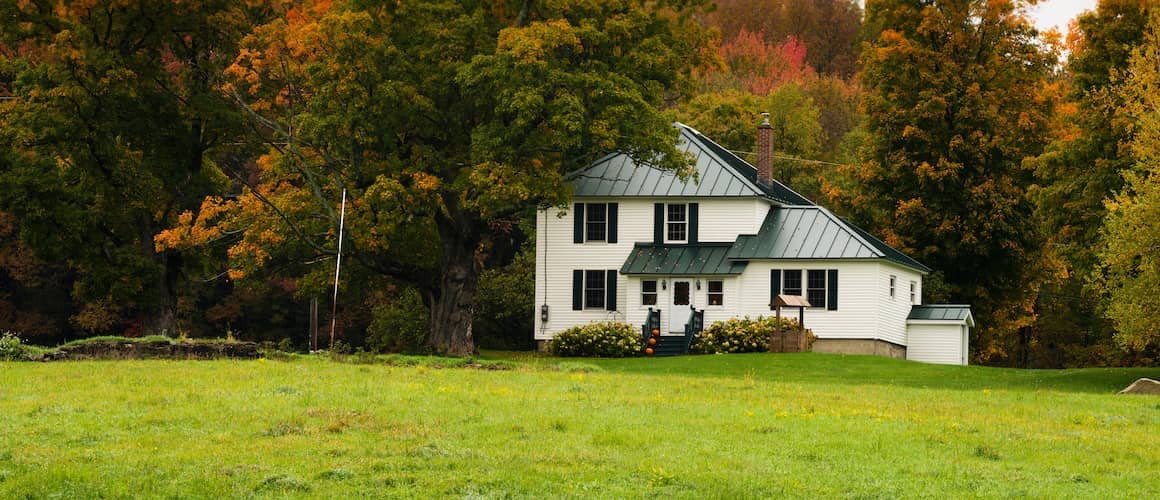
column 337, row 267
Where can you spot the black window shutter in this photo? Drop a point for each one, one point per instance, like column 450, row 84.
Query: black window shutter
column 577, row 290
column 610, row 290
column 693, row 210
column 832, row 290
column 774, row 287
column 659, row 223
column 578, row 223
column 612, row 209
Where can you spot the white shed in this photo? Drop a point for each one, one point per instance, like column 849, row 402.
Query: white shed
column 939, row 333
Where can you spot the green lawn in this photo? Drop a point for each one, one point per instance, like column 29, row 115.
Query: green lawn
column 768, row 425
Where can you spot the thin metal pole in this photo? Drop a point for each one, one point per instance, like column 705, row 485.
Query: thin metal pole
column 337, row 267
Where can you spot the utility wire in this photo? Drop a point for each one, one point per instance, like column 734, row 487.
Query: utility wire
column 794, row 158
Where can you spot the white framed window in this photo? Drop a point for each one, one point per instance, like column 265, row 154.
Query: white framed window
column 820, row 286
column 792, row 283
column 716, row 293
column 648, row 292
column 913, row 292
column 816, row 287
column 594, row 289
column 676, row 223
column 893, row 280
column 596, row 222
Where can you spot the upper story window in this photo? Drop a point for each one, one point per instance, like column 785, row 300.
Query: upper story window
column 677, row 222
column 596, row 222
column 893, row 280
column 913, row 292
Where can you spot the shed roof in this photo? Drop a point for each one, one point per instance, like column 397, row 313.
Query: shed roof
column 700, row 259
column 941, row 312
column 720, row 173
column 812, row 232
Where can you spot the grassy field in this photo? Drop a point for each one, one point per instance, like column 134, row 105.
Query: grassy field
column 731, row 426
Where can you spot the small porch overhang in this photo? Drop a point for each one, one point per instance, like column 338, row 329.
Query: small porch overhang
column 701, row 259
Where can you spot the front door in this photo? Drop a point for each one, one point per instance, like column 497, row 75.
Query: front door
column 680, row 298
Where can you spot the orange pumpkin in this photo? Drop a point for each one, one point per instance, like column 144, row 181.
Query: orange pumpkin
column 656, row 332
column 649, row 351
column 652, row 341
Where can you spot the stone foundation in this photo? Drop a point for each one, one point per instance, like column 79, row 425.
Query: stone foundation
column 860, row 346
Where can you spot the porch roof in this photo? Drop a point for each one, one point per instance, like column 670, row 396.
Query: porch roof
column 702, row 259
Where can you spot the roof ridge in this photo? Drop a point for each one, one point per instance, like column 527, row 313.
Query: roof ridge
column 737, row 175
column 849, row 229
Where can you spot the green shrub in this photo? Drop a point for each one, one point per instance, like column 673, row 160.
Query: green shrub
column 505, row 305
column 398, row 324
column 610, row 339
column 739, row 335
column 11, row 349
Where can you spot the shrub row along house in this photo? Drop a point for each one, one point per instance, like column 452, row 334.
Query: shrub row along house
column 727, row 241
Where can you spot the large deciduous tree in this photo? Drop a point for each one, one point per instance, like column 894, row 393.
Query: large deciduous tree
column 953, row 105
column 109, row 135
column 1130, row 259
column 829, row 29
column 446, row 122
column 1080, row 169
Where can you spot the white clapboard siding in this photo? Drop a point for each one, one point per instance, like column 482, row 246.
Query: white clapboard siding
column 721, row 220
column 893, row 310
column 636, row 312
column 857, row 314
column 941, row 342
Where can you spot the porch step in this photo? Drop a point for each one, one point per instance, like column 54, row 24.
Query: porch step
column 669, row 345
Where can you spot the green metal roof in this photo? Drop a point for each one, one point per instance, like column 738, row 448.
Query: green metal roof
column 701, row 259
column 812, row 232
column 941, row 312
column 720, row 173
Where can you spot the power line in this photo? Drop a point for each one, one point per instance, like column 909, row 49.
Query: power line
column 794, row 158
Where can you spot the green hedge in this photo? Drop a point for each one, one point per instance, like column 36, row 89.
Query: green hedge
column 739, row 335
column 610, row 339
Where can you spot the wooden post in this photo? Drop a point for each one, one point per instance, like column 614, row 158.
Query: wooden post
column 314, row 324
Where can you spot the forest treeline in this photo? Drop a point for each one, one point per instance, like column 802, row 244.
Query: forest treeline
column 178, row 167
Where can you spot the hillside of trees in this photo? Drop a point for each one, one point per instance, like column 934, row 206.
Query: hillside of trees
column 179, row 168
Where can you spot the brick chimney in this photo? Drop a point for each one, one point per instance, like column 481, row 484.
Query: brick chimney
column 765, row 151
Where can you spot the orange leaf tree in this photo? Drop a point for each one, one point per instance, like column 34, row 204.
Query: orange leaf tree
column 112, row 129
column 444, row 121
column 953, row 106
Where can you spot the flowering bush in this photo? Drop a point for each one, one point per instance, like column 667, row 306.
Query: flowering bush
column 10, row 348
column 739, row 335
column 610, row 339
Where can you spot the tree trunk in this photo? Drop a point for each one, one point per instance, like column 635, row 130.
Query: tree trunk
column 454, row 297
column 162, row 320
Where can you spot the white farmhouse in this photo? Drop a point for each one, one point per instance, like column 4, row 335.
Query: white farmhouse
column 726, row 243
